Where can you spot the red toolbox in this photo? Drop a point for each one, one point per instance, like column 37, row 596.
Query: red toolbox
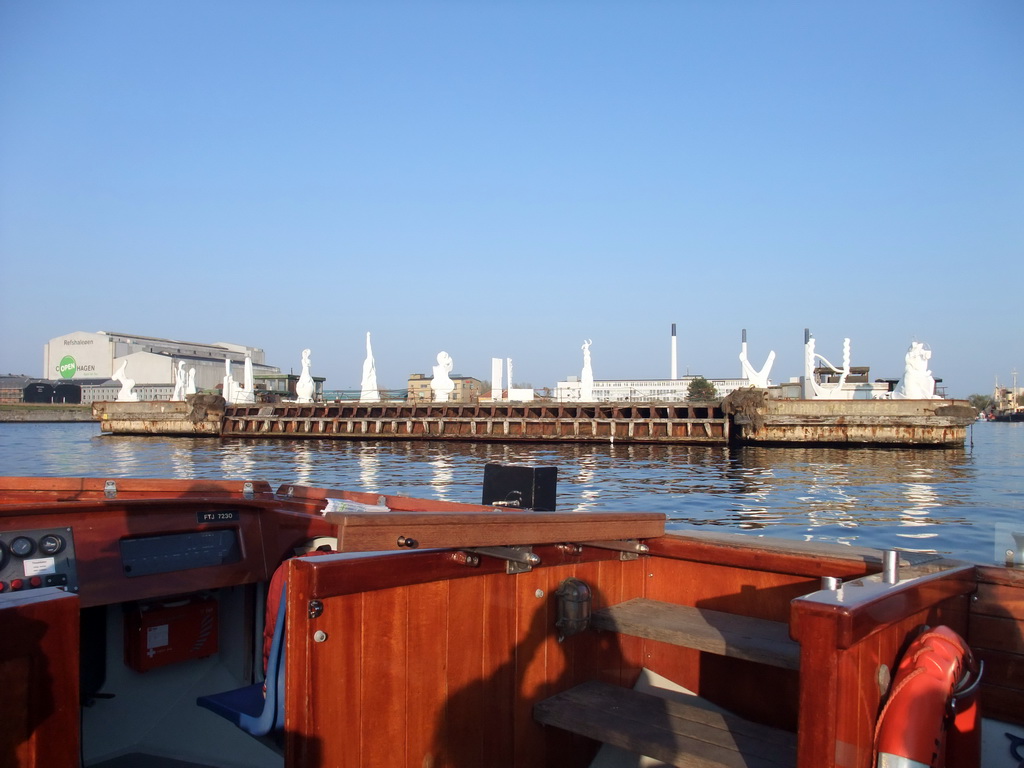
column 166, row 632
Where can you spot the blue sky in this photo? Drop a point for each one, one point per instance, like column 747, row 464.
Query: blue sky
column 506, row 179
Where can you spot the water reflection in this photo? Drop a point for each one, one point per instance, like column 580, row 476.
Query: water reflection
column 946, row 500
column 920, row 493
column 444, row 473
column 369, row 467
column 304, row 462
column 180, row 456
column 586, row 477
column 237, row 461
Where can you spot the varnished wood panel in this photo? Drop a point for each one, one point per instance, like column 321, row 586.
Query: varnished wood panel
column 533, row 620
column 1011, row 577
column 999, row 600
column 384, row 694
column 427, row 686
column 996, row 633
column 456, row 666
column 37, row 490
column 398, row 530
column 463, row 693
column 810, row 559
column 39, row 705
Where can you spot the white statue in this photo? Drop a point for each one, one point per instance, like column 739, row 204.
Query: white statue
column 442, row 383
column 823, row 391
column 179, row 382
column 496, row 387
column 190, row 388
column 229, row 382
column 587, row 376
column 369, row 392
column 305, row 387
column 917, row 382
column 247, row 392
column 756, row 378
column 125, row 395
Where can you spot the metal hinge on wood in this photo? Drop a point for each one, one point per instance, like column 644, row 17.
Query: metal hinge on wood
column 247, row 491
column 110, row 489
column 517, row 559
column 629, row 549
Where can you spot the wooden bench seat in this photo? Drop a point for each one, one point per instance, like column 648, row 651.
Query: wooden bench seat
column 725, row 634
column 690, row 734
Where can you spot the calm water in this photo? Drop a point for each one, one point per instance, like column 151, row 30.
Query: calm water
column 959, row 502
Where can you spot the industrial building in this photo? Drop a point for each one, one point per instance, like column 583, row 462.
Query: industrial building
column 466, row 389
column 92, row 359
column 640, row 390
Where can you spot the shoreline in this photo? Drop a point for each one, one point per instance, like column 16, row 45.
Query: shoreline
column 31, row 413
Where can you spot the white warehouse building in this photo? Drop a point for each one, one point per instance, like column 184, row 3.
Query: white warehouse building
column 641, row 390
column 93, row 358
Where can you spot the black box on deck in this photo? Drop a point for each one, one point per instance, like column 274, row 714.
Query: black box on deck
column 517, row 485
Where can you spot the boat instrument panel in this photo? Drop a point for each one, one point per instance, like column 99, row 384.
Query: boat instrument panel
column 41, row 557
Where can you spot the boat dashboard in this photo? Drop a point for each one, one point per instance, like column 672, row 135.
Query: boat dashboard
column 125, row 547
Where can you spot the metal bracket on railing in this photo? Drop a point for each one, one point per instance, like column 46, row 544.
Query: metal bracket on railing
column 466, row 558
column 967, row 688
column 517, row 559
column 316, row 609
column 629, row 549
column 891, row 567
column 110, row 489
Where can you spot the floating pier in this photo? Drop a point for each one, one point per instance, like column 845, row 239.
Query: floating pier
column 195, row 416
column 746, row 416
column 503, row 422
column 759, row 419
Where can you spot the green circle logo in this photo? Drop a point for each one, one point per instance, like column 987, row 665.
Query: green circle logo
column 67, row 367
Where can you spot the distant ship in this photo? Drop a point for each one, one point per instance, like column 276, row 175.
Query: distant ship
column 1017, row 415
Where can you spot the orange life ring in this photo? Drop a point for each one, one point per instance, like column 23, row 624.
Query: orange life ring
column 933, row 695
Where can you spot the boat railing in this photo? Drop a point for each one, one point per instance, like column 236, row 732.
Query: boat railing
column 851, row 636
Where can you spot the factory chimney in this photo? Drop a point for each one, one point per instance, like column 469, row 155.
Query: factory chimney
column 743, row 353
column 675, row 371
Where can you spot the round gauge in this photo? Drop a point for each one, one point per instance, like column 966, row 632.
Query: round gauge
column 51, row 544
column 22, row 546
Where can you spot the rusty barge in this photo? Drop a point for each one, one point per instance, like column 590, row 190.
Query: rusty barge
column 746, row 416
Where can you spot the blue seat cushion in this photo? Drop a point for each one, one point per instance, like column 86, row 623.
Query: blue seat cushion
column 232, row 704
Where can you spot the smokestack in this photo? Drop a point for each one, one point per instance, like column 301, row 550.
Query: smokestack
column 743, row 353
column 675, row 371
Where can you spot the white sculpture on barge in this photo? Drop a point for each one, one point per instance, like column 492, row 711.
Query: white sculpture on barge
column 917, row 382
column 442, row 384
column 305, row 388
column 368, row 391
